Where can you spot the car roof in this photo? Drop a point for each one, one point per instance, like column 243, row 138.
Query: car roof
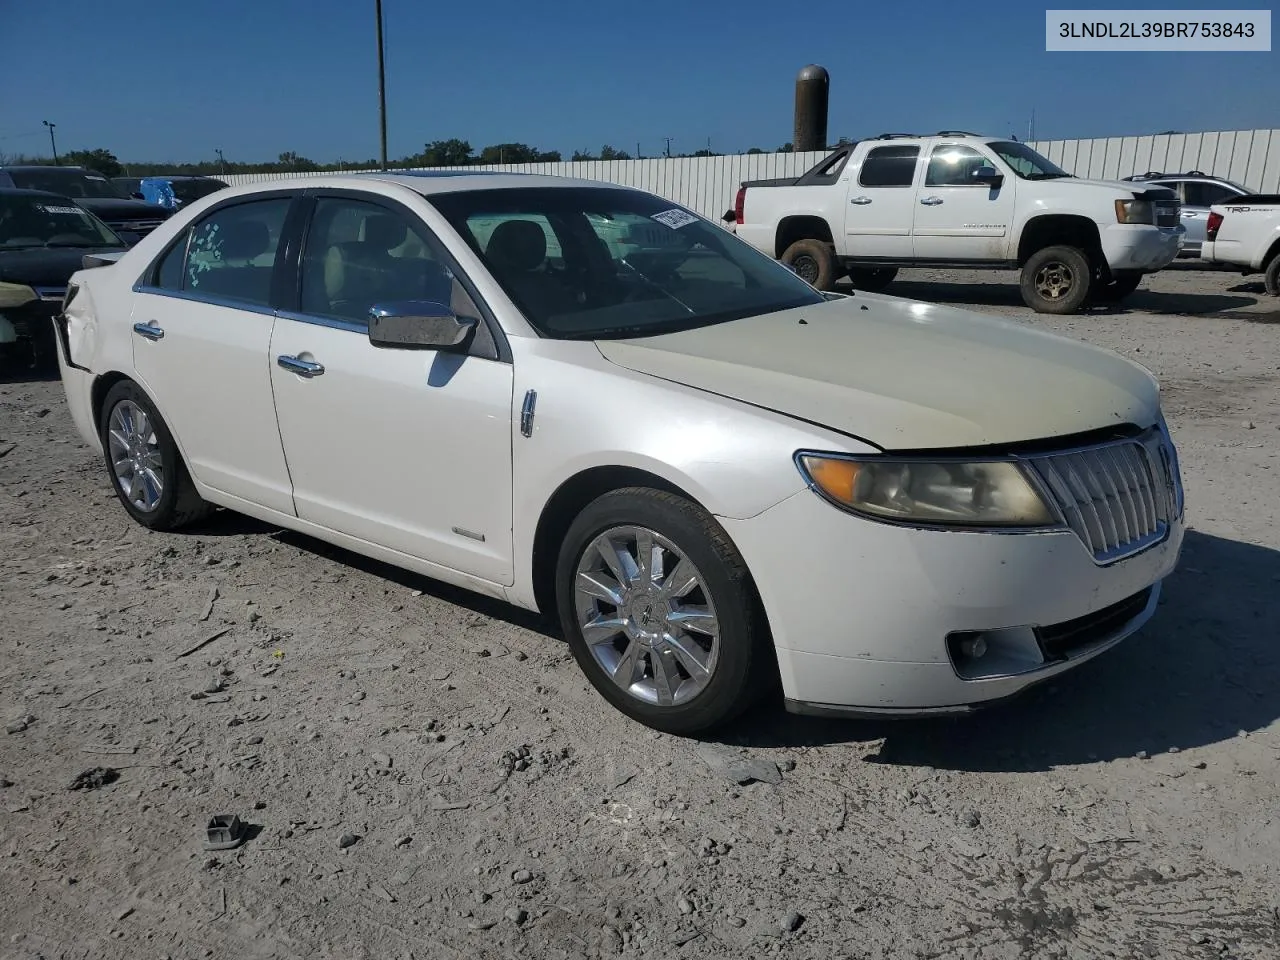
column 43, row 166
column 428, row 182
column 24, row 192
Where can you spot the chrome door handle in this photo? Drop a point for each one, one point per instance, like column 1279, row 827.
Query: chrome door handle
column 860, row 200
column 303, row 368
column 148, row 330
column 931, row 201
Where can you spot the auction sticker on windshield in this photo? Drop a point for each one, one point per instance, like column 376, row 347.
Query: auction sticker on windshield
column 675, row 219
column 75, row 211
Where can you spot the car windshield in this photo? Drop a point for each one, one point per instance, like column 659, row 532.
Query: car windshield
column 600, row 262
column 1025, row 162
column 69, row 183
column 36, row 221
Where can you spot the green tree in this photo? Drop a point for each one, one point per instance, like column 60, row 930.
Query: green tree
column 613, row 153
column 100, row 160
column 293, row 161
column 517, row 153
column 754, row 150
column 446, row 153
column 786, row 148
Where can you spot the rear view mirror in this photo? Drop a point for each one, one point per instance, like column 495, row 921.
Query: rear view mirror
column 989, row 176
column 418, row 325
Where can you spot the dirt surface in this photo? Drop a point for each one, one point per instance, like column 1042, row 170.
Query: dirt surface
column 425, row 774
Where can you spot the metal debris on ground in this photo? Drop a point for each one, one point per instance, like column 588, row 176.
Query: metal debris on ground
column 224, row 831
column 95, row 778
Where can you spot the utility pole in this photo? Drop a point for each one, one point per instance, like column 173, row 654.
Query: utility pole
column 382, row 88
column 222, row 161
column 638, row 157
column 53, row 146
column 668, row 153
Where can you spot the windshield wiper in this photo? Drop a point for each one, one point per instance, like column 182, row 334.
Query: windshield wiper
column 1050, row 176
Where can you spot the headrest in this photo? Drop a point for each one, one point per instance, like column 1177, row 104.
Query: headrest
column 518, row 244
column 245, row 239
column 384, row 231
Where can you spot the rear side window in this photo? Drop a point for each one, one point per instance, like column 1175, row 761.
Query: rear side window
column 1200, row 194
column 233, row 251
column 169, row 271
column 889, row 167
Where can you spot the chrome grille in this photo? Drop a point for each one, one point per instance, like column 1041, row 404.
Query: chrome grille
column 140, row 227
column 1118, row 498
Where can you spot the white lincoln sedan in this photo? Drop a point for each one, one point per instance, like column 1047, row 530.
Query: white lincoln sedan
column 588, row 401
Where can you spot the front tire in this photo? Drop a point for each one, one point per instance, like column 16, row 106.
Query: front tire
column 1056, row 280
column 144, row 463
column 1272, row 277
column 872, row 279
column 814, row 261
column 660, row 612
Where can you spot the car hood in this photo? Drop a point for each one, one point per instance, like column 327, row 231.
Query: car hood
column 904, row 375
column 1127, row 187
column 42, row 266
column 109, row 209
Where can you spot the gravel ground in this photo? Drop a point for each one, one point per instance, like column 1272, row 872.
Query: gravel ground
column 426, row 774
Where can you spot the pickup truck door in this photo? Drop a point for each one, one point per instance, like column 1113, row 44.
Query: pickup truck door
column 957, row 219
column 878, row 216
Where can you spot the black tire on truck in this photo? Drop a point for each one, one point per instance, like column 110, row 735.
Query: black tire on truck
column 1056, row 280
column 1272, row 277
column 1123, row 283
column 872, row 279
column 813, row 261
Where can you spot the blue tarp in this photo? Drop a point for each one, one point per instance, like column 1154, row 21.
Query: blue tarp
column 158, row 190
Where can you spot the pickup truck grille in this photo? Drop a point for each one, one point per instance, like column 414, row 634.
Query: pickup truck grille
column 140, row 227
column 1168, row 213
column 1118, row 498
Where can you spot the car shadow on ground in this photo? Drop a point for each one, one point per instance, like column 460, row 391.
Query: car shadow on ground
column 1205, row 668
column 1008, row 295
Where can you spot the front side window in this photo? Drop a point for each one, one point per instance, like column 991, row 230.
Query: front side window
column 889, row 167
column 952, row 165
column 33, row 221
column 358, row 254
column 605, row 262
column 1025, row 162
column 233, row 251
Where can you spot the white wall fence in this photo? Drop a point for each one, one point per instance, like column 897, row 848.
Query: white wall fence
column 708, row 184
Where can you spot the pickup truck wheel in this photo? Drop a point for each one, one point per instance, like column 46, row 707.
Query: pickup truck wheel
column 1056, row 280
column 872, row 280
column 1122, row 284
column 1272, row 276
column 814, row 261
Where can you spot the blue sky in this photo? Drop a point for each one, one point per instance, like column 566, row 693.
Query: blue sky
column 174, row 80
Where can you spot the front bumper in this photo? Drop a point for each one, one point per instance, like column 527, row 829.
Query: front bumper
column 861, row 612
column 1129, row 246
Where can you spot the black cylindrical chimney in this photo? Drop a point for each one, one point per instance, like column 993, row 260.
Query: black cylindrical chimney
column 813, row 85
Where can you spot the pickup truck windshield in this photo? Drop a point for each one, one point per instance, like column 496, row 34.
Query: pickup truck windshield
column 35, row 221
column 69, row 183
column 600, row 263
column 1025, row 162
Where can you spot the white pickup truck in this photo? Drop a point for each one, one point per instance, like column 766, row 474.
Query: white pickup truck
column 1246, row 233
column 961, row 200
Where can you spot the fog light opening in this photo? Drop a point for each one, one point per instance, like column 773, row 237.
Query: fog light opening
column 988, row 654
column 973, row 647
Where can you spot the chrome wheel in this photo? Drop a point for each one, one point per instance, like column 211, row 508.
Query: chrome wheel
column 135, row 455
column 646, row 615
column 1054, row 280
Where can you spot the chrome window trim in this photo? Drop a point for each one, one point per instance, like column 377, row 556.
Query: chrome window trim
column 248, row 306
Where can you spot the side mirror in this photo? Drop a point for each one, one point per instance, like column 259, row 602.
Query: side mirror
column 989, row 176
column 128, row 237
column 418, row 325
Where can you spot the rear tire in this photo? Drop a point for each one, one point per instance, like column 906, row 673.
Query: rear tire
column 1272, row 277
column 687, row 657
column 814, row 261
column 872, row 279
column 1123, row 283
column 1056, row 280
column 144, row 463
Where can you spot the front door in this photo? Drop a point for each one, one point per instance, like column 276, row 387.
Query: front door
column 957, row 219
column 879, row 211
column 201, row 334
column 407, row 449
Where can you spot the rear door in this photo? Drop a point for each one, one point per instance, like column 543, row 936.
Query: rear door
column 957, row 219
column 202, row 322
column 880, row 211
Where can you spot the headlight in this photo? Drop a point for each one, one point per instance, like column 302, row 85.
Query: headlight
column 16, row 294
column 983, row 494
column 1135, row 211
